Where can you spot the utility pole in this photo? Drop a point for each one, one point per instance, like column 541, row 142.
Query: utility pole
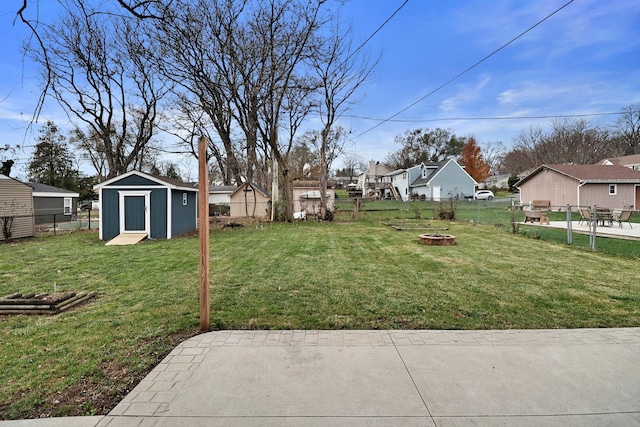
column 203, row 227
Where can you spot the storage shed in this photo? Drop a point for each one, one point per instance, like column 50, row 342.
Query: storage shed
column 249, row 200
column 16, row 208
column 606, row 186
column 138, row 203
column 53, row 204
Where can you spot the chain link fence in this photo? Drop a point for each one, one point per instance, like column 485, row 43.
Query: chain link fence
column 590, row 227
column 51, row 223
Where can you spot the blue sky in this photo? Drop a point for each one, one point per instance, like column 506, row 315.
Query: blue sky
column 583, row 60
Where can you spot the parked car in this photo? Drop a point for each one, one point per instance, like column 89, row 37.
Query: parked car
column 484, row 195
column 89, row 205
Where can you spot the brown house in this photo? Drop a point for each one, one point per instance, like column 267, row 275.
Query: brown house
column 607, row 186
column 249, row 200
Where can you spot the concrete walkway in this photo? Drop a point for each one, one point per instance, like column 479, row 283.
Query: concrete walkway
column 583, row 377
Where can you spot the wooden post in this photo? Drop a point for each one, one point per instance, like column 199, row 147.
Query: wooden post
column 203, row 227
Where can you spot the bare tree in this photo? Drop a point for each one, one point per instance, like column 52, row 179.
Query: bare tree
column 98, row 70
column 628, row 127
column 493, row 152
column 340, row 71
column 285, row 32
column 190, row 51
column 567, row 141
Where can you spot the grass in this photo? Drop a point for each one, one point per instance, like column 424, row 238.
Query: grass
column 346, row 274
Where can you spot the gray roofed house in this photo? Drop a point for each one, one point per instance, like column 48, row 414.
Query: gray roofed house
column 443, row 180
column 52, row 204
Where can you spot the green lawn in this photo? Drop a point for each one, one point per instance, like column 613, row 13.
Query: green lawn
column 345, row 274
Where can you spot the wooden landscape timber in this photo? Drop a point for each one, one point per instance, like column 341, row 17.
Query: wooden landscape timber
column 42, row 303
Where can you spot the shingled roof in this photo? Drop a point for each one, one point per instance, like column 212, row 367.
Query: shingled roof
column 591, row 173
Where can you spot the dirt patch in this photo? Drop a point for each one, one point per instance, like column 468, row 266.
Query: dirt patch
column 100, row 393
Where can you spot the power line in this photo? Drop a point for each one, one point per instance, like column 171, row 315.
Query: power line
column 470, row 68
column 376, row 31
column 445, row 119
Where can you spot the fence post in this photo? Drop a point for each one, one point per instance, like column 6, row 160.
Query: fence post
column 569, row 225
column 594, row 226
column 89, row 218
column 54, row 224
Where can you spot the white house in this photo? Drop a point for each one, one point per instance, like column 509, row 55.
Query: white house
column 221, row 194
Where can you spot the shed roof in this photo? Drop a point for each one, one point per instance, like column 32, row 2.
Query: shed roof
column 590, row 173
column 162, row 180
column 256, row 186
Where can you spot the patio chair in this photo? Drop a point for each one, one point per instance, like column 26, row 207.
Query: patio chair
column 621, row 216
column 585, row 216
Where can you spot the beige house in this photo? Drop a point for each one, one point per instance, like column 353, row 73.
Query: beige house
column 16, row 208
column 249, row 200
column 371, row 181
column 632, row 161
column 306, row 197
column 606, row 186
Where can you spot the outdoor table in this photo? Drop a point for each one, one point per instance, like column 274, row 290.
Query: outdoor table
column 604, row 215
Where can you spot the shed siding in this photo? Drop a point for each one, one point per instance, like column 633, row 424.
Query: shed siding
column 16, row 200
column 598, row 194
column 311, row 206
column 135, row 181
column 549, row 185
column 158, row 213
column 183, row 217
column 256, row 204
column 110, row 213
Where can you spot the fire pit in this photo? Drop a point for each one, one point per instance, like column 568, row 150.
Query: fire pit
column 438, row 239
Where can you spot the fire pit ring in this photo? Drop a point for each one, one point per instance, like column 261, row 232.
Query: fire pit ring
column 437, row 239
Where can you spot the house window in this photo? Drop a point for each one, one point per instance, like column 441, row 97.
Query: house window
column 613, row 189
column 184, row 199
column 67, row 205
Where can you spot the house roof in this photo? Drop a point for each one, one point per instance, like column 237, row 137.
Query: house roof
column 590, row 173
column 433, row 168
column 222, row 189
column 44, row 190
column 633, row 159
column 163, row 180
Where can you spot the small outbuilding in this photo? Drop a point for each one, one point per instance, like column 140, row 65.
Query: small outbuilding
column 306, row 197
column 138, row 203
column 606, row 186
column 53, row 204
column 16, row 209
column 249, row 200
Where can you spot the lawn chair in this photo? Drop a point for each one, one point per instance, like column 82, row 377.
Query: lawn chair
column 621, row 216
column 585, row 215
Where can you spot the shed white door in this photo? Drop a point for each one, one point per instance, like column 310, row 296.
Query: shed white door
column 134, row 212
